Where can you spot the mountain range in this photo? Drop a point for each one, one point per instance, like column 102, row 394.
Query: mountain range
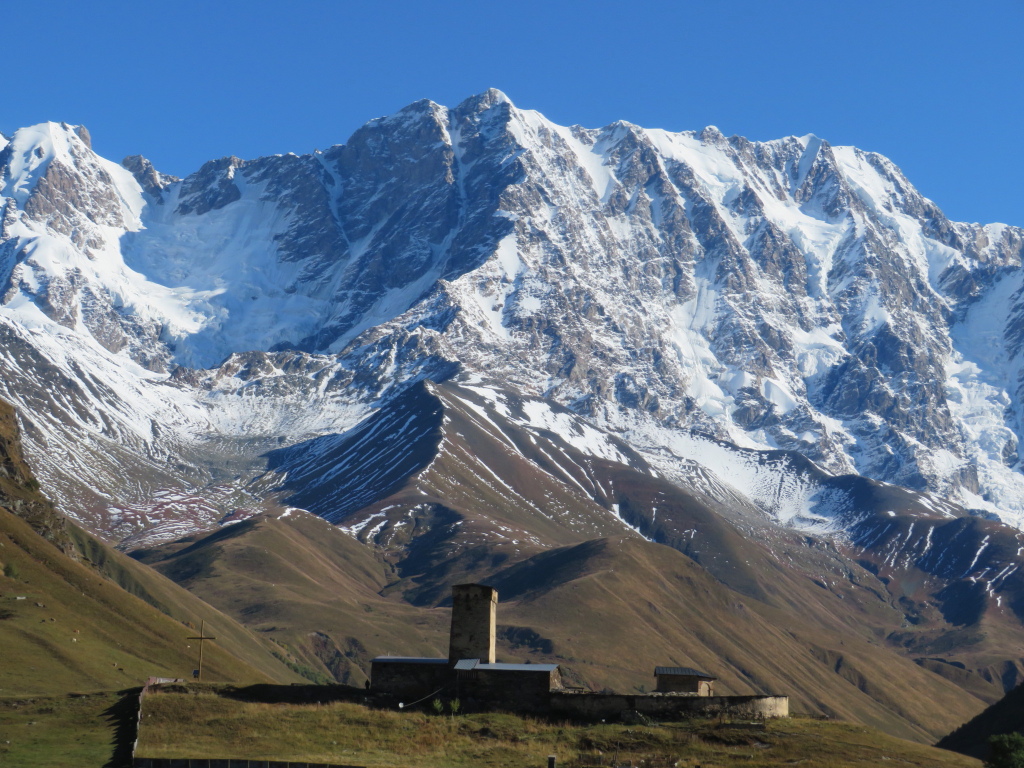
column 768, row 384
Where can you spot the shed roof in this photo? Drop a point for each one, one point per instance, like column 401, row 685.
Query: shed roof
column 408, row 660
column 684, row 671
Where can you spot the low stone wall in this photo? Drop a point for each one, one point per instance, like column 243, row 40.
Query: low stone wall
column 611, row 706
column 195, row 762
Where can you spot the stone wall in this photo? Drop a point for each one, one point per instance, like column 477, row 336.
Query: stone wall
column 511, row 690
column 611, row 706
column 201, row 762
column 410, row 680
column 683, row 684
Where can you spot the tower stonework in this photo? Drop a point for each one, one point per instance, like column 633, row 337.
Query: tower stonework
column 474, row 610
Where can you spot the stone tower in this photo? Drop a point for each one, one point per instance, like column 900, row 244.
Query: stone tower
column 474, row 608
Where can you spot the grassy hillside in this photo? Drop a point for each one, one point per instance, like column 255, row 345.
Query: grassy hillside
column 228, row 724
column 64, row 627
column 81, row 730
column 309, row 586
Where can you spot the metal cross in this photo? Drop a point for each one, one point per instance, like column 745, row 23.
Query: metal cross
column 201, row 638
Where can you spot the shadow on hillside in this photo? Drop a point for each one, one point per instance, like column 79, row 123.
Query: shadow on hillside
column 124, row 717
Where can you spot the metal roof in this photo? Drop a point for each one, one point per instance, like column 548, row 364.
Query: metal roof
column 465, row 665
column 686, row 671
column 517, row 667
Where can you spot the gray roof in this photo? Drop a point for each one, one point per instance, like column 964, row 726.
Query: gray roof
column 685, row 671
column 467, row 664
column 517, row 667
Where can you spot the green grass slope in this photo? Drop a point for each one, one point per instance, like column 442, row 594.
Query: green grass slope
column 64, row 627
column 229, row 724
column 81, row 730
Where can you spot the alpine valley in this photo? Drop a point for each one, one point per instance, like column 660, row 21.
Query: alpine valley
column 682, row 398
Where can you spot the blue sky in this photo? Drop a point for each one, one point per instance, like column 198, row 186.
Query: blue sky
column 937, row 86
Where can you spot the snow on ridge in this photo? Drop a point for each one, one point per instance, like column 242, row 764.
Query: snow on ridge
column 786, row 495
column 32, row 149
column 540, row 415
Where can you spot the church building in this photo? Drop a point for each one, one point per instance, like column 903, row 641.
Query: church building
column 470, row 671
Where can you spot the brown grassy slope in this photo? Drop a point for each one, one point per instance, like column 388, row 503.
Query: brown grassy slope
column 613, row 610
column 856, row 590
column 309, row 586
column 812, row 620
column 608, row 610
column 480, row 504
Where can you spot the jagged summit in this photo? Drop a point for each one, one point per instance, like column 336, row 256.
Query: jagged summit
column 483, row 101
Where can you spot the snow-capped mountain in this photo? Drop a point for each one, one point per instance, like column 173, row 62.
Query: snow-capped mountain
column 159, row 333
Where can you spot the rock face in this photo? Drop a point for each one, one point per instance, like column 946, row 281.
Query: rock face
column 786, row 295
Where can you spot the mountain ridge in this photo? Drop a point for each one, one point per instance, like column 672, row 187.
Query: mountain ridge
column 785, row 272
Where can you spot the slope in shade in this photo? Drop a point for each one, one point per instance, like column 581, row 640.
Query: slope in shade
column 335, row 475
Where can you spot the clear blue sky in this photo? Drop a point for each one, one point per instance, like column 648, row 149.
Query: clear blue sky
column 937, row 86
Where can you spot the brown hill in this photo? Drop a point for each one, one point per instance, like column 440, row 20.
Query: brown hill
column 308, row 585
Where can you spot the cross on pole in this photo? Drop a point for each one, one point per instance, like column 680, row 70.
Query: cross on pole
column 201, row 638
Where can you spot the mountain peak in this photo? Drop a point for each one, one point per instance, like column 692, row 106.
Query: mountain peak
column 484, row 101
column 711, row 135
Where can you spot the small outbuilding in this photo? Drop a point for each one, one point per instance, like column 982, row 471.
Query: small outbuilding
column 684, row 680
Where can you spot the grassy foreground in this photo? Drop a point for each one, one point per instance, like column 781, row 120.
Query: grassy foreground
column 207, row 724
column 84, row 731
